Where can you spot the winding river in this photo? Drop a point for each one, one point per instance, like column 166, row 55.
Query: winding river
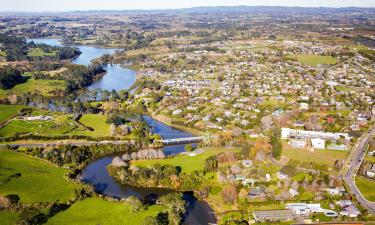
column 119, row 78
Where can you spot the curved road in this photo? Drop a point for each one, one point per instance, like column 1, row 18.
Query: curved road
column 356, row 158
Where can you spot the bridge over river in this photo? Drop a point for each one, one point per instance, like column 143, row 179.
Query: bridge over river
column 184, row 140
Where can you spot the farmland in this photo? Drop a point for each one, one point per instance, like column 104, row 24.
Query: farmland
column 98, row 211
column 33, row 180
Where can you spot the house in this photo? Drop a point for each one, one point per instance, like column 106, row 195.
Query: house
column 248, row 181
column 177, row 112
column 344, row 203
column 370, row 174
column 350, row 211
column 247, row 163
column 287, row 133
column 255, row 192
column 40, row 117
column 333, row 191
column 318, row 143
column 281, row 176
column 293, row 192
column 299, row 124
column 303, row 208
column 303, row 106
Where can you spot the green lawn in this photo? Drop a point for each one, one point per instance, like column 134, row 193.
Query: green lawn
column 314, row 60
column 34, row 180
column 97, row 122
column 187, row 163
column 8, row 218
column 366, row 187
column 95, row 211
column 61, row 125
column 36, row 52
column 321, row 157
column 45, row 128
column 44, row 87
column 8, row 111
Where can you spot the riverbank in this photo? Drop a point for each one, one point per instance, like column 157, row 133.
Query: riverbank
column 167, row 121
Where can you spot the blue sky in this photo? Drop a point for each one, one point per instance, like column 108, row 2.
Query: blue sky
column 68, row 5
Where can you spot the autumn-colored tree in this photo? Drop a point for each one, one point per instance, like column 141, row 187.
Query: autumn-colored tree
column 229, row 194
column 262, row 144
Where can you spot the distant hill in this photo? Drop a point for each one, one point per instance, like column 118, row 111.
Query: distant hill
column 219, row 9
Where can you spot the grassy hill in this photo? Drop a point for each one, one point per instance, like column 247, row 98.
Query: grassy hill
column 95, row 211
column 32, row 179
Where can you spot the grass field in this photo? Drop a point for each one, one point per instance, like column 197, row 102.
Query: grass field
column 366, row 187
column 321, row 157
column 187, row 163
column 35, row 52
column 97, row 122
column 95, row 211
column 44, row 87
column 61, row 125
column 314, row 60
column 32, row 179
column 7, row 111
column 8, row 218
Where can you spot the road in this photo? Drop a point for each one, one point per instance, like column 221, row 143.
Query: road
column 57, row 143
column 356, row 158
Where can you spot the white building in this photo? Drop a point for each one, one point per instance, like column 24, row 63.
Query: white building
column 318, row 143
column 303, row 208
column 288, row 133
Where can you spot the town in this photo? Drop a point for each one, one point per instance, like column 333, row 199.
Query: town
column 206, row 115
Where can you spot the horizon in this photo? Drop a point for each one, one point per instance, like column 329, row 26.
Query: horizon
column 50, row 6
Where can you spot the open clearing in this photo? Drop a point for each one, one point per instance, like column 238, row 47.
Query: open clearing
column 94, row 211
column 7, row 111
column 321, row 157
column 8, row 218
column 314, row 60
column 61, row 125
column 187, row 163
column 37, row 52
column 366, row 187
column 43, row 87
column 34, row 180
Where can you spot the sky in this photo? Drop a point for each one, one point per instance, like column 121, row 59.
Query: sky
column 71, row 5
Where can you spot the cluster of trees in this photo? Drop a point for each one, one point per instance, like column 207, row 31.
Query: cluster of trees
column 175, row 210
column 68, row 154
column 9, row 77
column 61, row 53
column 166, row 176
column 16, row 49
column 80, row 76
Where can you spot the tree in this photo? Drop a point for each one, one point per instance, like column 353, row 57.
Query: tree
column 188, row 148
column 175, row 205
column 150, row 221
column 211, row 164
column 229, row 194
column 276, row 143
column 135, row 203
column 112, row 129
column 261, row 144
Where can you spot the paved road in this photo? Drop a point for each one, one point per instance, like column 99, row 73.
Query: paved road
column 56, row 143
column 356, row 159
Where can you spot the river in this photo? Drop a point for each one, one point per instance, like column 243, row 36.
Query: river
column 119, row 78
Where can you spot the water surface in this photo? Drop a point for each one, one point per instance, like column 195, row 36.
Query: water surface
column 117, row 77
